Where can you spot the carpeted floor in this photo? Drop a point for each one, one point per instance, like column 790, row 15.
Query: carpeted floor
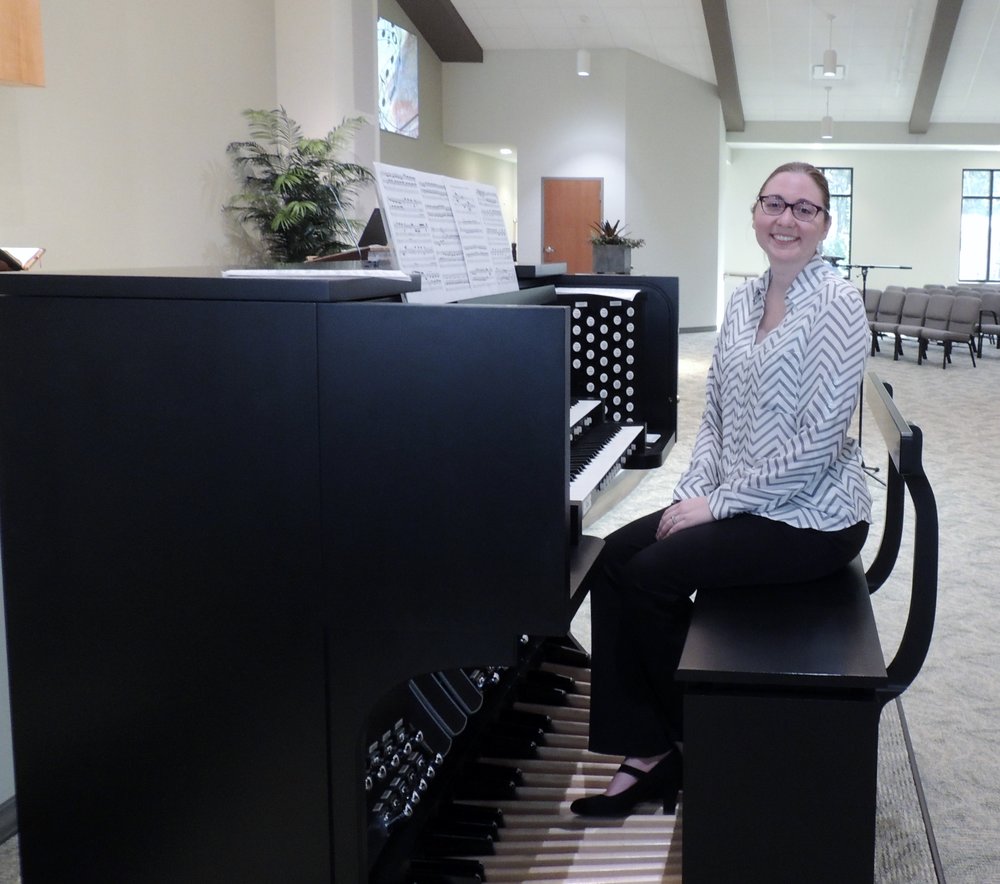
column 10, row 869
column 952, row 708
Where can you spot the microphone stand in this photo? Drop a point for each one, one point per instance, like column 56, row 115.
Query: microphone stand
column 864, row 268
column 870, row 471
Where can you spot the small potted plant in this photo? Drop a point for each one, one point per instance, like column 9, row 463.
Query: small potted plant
column 613, row 247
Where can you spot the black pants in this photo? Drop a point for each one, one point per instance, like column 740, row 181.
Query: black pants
column 640, row 592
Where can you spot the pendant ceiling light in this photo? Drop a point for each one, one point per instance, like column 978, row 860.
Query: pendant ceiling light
column 830, row 55
column 582, row 63
column 826, row 124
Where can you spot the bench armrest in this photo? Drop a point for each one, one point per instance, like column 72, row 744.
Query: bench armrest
column 905, row 475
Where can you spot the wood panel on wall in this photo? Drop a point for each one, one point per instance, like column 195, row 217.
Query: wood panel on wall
column 21, row 58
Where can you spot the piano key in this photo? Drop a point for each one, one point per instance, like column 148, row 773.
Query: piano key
column 481, row 780
column 460, row 845
column 542, row 694
column 511, row 745
column 438, row 870
column 547, row 677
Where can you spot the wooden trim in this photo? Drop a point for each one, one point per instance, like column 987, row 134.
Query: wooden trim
column 443, row 28
column 946, row 14
column 22, row 61
column 720, row 40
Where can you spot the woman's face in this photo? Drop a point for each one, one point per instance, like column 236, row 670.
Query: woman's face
column 787, row 240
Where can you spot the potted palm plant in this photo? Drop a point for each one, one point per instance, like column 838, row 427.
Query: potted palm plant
column 296, row 191
column 612, row 247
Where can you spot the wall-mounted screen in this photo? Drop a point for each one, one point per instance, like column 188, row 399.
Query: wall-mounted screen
column 398, row 92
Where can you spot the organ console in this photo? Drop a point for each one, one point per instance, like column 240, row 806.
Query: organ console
column 282, row 558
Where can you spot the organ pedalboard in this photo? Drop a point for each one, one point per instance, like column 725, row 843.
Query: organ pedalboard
column 423, row 782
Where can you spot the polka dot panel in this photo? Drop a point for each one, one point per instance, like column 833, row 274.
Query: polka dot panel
column 604, row 342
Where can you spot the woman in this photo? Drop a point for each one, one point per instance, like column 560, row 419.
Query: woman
column 774, row 492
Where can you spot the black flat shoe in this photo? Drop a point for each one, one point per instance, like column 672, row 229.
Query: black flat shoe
column 662, row 782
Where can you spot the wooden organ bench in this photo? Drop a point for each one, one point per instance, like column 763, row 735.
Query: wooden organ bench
column 784, row 689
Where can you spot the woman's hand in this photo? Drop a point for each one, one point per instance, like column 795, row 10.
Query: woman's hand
column 684, row 514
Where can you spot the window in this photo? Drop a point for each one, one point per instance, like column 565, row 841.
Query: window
column 838, row 241
column 979, row 249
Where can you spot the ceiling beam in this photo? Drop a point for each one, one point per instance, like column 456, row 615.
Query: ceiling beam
column 942, row 32
column 444, row 30
column 720, row 39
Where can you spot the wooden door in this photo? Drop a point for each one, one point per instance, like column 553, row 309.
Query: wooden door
column 569, row 207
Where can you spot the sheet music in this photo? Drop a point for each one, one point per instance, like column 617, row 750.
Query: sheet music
column 449, row 230
column 407, row 225
column 444, row 236
column 497, row 242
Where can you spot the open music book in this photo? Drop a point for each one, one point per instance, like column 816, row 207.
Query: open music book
column 19, row 258
column 450, row 231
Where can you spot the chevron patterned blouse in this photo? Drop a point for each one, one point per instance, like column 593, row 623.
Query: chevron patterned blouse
column 774, row 435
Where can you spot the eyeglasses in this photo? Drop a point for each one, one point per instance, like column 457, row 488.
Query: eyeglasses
column 803, row 210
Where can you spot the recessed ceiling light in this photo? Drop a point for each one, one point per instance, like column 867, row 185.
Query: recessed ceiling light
column 505, row 151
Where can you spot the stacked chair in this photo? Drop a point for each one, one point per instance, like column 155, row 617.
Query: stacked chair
column 911, row 318
column 934, row 314
column 887, row 313
column 959, row 314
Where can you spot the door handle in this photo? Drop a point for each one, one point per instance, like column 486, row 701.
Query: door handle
column 549, row 250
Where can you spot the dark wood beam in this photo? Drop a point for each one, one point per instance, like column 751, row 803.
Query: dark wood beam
column 942, row 32
column 720, row 38
column 444, row 29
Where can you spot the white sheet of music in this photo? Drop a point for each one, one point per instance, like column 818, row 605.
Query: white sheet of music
column 449, row 230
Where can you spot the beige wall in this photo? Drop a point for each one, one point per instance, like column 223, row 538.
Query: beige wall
column 119, row 161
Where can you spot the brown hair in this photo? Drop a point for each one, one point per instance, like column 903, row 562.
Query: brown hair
column 804, row 169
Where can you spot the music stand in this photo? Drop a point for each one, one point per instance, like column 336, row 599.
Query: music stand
column 864, row 268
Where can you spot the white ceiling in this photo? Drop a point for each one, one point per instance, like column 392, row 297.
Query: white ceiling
column 776, row 43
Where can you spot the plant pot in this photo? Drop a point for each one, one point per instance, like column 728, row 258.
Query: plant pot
column 612, row 258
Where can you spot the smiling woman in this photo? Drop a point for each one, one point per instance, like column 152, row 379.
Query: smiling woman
column 774, row 491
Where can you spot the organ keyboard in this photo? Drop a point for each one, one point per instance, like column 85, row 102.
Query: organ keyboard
column 597, row 461
column 286, row 584
column 623, row 377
